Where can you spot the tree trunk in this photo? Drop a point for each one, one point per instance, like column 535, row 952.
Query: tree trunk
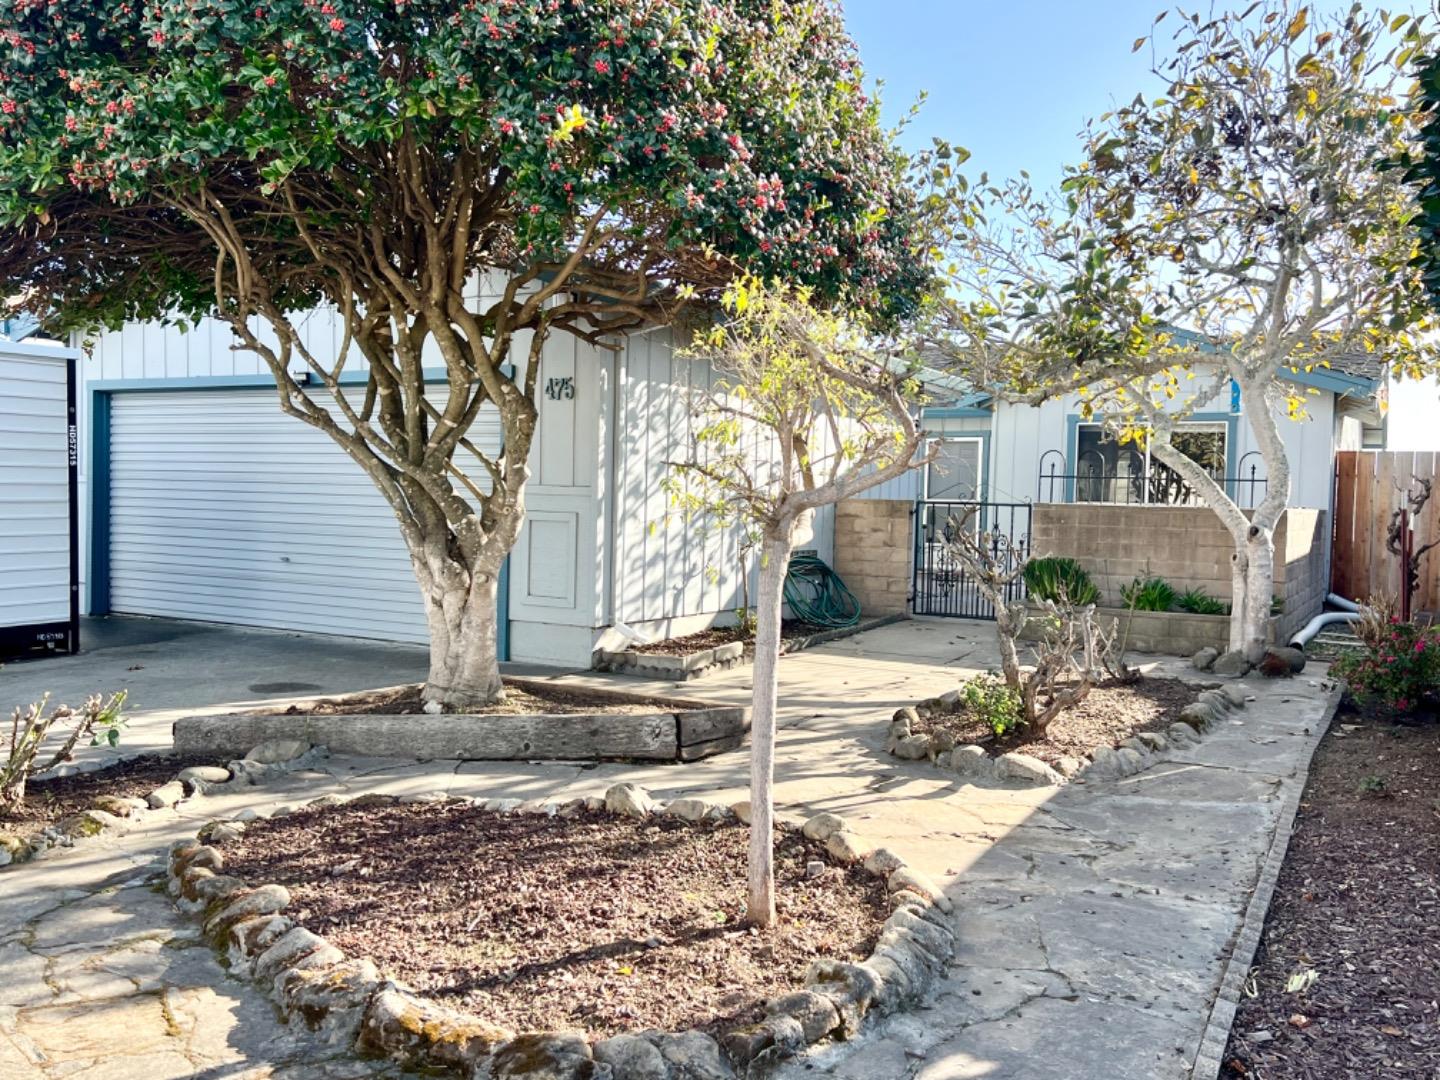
column 775, row 553
column 1259, row 589
column 461, row 606
column 12, row 794
column 1239, row 586
column 1009, row 622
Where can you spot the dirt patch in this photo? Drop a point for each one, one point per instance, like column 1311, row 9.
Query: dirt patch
column 591, row 922
column 1111, row 713
column 792, row 631
column 49, row 800
column 520, row 698
column 1358, row 903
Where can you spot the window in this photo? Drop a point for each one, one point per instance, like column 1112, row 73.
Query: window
column 1106, row 471
column 955, row 474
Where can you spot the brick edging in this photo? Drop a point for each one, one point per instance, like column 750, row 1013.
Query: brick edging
column 1209, row 1056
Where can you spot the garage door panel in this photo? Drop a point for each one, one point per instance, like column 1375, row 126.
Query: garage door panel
column 224, row 509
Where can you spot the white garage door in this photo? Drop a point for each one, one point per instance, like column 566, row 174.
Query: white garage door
column 222, row 508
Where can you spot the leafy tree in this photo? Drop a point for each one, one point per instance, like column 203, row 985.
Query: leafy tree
column 608, row 161
column 807, row 411
column 1242, row 226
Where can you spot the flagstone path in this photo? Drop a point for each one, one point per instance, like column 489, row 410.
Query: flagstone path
column 1093, row 920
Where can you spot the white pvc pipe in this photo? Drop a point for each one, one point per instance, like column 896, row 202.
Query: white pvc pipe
column 1339, row 601
column 1313, row 627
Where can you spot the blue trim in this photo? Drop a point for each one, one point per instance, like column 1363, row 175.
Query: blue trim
column 238, row 382
column 98, row 565
column 951, row 412
column 1337, row 382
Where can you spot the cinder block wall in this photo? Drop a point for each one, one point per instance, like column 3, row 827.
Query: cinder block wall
column 1185, row 545
column 873, row 546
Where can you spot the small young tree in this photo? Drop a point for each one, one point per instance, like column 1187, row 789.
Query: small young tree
column 597, row 163
column 97, row 720
column 807, row 411
column 1074, row 650
column 1238, row 227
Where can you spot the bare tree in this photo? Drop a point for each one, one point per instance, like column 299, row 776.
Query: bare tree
column 97, row 720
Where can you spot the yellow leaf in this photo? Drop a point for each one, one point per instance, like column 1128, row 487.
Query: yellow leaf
column 1298, row 24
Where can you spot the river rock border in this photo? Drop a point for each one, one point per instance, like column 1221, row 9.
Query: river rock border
column 721, row 658
column 348, row 1001
column 971, row 761
column 112, row 812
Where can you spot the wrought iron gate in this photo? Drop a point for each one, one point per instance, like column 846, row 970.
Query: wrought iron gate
column 942, row 585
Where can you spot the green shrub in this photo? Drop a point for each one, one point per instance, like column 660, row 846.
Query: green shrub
column 1401, row 671
column 1056, row 578
column 991, row 699
column 1149, row 594
column 1199, row 602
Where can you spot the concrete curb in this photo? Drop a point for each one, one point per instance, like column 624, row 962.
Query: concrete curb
column 1209, row 1057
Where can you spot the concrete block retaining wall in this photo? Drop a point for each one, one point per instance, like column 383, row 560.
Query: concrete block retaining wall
column 1188, row 547
column 873, row 545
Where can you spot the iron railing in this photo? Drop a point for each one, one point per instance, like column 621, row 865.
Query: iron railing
column 1141, row 481
column 942, row 585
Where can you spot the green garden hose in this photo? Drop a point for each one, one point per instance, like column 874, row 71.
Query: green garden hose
column 816, row 594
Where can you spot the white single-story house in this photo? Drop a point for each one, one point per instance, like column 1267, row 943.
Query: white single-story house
column 199, row 499
column 1007, row 452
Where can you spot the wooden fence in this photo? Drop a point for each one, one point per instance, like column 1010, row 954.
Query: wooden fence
column 1370, row 485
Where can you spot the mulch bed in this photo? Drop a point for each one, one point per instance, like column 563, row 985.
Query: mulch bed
column 49, row 800
column 791, row 630
column 1111, row 713
column 529, row 697
column 591, row 922
column 1358, row 903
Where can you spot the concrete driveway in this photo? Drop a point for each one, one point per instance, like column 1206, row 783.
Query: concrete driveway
column 173, row 669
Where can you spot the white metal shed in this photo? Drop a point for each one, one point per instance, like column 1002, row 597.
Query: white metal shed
column 39, row 541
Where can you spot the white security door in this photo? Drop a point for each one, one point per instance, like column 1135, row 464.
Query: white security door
column 224, row 509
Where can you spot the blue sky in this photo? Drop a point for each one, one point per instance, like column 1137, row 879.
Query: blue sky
column 1012, row 80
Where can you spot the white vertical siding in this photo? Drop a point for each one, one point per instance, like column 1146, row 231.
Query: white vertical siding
column 1024, row 433
column 667, row 566
column 34, row 489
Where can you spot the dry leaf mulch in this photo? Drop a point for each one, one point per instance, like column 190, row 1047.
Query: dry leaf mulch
column 791, row 630
column 49, row 800
column 1111, row 713
column 1358, row 904
column 520, row 699
column 591, row 922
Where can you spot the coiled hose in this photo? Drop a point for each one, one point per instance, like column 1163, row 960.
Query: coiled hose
column 816, row 594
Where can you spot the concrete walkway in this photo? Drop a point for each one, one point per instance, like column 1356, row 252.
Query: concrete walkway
column 1093, row 920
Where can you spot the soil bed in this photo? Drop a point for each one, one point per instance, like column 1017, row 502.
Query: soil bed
column 1357, row 902
column 791, row 630
column 521, row 698
column 49, row 800
column 589, row 922
column 1111, row 713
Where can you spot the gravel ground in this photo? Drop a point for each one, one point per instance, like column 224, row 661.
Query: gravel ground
column 791, row 630
column 593, row 922
column 1357, row 904
column 1110, row 714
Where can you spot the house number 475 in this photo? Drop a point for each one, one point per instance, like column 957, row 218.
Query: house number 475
column 560, row 389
